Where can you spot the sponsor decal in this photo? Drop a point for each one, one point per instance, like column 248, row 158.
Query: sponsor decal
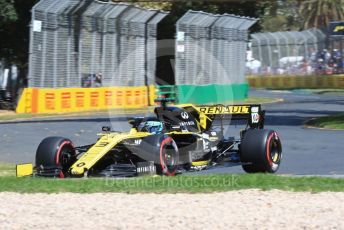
column 94, row 99
column 129, row 97
column 205, row 139
column 81, row 164
column 255, row 109
column 80, row 99
column 231, row 109
column 205, row 145
column 108, row 98
column 145, row 168
column 186, row 123
column 134, row 142
column 138, row 97
column 137, row 141
column 184, row 115
column 255, row 117
column 119, row 98
column 65, row 100
column 338, row 28
column 150, row 168
column 50, row 101
column 102, row 144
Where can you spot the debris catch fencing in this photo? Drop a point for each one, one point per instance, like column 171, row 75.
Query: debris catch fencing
column 73, row 41
column 211, row 49
column 289, row 52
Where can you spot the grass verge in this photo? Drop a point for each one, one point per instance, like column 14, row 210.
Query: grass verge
column 339, row 92
column 161, row 184
column 328, row 122
column 183, row 183
column 7, row 169
column 260, row 100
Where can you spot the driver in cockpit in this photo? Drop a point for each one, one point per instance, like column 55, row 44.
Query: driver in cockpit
column 151, row 127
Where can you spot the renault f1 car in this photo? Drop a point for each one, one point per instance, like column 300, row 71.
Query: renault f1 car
column 176, row 139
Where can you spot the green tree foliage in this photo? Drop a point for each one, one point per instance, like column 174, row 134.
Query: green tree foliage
column 7, row 11
column 167, row 29
column 156, row 5
column 319, row 13
column 280, row 16
column 275, row 15
column 179, row 8
column 14, row 30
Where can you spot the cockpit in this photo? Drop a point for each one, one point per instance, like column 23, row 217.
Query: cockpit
column 150, row 126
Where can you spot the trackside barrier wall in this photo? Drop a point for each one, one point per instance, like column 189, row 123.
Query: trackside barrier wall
column 37, row 100
column 167, row 91
column 214, row 93
column 210, row 57
column 295, row 82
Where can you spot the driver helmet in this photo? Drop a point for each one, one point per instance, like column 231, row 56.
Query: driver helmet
column 151, row 126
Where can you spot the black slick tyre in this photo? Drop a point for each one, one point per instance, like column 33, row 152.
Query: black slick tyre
column 261, row 151
column 55, row 153
column 169, row 157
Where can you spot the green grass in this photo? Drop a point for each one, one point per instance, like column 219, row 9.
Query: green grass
column 329, row 122
column 161, row 184
column 260, row 100
column 339, row 92
column 177, row 184
column 7, row 169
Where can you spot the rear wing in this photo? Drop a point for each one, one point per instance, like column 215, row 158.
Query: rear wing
column 204, row 115
column 252, row 113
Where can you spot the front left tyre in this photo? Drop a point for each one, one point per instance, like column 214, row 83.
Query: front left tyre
column 54, row 157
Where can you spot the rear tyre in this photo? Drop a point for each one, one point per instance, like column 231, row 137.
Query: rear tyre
column 169, row 157
column 55, row 153
column 261, row 151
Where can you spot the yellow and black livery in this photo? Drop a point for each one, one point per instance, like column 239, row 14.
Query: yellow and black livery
column 176, row 139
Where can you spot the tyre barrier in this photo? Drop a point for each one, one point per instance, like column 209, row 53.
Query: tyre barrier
column 39, row 100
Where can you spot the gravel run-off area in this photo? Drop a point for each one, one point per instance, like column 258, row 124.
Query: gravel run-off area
column 244, row 209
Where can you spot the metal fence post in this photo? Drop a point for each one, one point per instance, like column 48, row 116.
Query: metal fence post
column 44, row 45
column 31, row 54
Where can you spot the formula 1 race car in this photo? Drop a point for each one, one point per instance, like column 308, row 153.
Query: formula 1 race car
column 178, row 138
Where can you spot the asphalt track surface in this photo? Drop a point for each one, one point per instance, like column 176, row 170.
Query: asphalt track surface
column 306, row 151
